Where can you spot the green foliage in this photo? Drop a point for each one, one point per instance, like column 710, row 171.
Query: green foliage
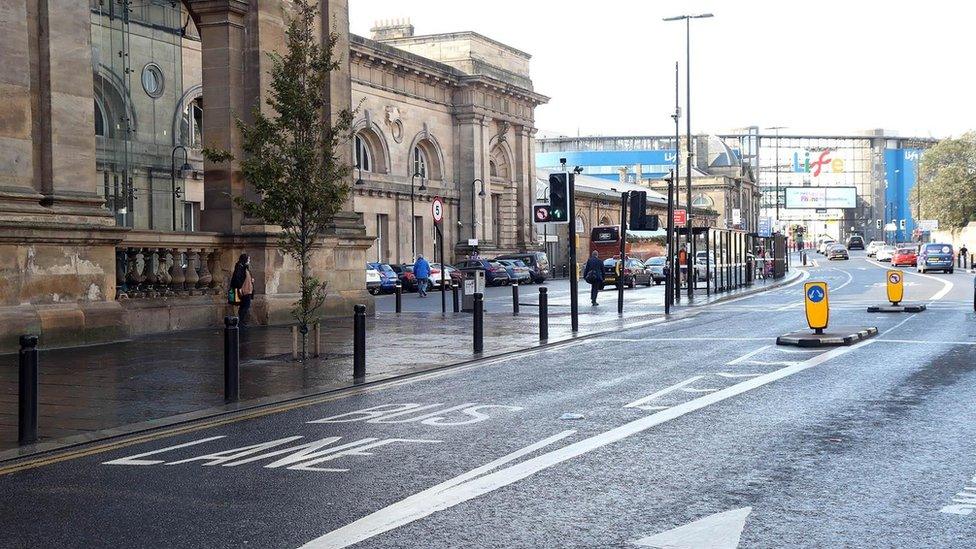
column 290, row 155
column 947, row 182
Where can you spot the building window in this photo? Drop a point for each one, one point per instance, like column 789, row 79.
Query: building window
column 419, row 162
column 702, row 201
column 580, row 225
column 191, row 216
column 496, row 217
column 382, row 238
column 492, row 169
column 418, row 232
column 192, row 126
column 152, row 80
column 363, row 160
column 101, row 124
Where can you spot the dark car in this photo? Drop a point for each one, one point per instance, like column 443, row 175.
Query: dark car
column 517, row 270
column 495, row 273
column 837, row 251
column 655, row 266
column 855, row 241
column 388, row 277
column 405, row 274
column 537, row 262
column 935, row 257
column 633, row 273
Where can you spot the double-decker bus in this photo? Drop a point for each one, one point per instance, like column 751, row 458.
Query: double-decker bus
column 605, row 240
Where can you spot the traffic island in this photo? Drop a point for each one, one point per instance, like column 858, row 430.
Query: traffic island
column 903, row 308
column 836, row 337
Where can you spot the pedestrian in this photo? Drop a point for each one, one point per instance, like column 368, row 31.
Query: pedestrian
column 421, row 270
column 593, row 274
column 962, row 254
column 243, row 283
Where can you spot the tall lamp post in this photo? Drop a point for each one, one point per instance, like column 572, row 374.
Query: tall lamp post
column 481, row 193
column 413, row 219
column 176, row 191
column 777, row 129
column 687, row 19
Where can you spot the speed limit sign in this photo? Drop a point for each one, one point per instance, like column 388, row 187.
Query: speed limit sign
column 437, row 210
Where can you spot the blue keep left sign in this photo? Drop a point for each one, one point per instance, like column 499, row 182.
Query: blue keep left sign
column 815, row 294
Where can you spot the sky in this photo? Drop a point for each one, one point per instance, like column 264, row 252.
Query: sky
column 824, row 67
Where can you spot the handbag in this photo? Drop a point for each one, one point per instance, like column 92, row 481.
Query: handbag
column 233, row 296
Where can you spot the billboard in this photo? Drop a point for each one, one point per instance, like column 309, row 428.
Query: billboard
column 821, row 197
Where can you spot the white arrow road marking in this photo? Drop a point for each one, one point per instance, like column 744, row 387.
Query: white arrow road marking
column 455, row 491
column 718, row 531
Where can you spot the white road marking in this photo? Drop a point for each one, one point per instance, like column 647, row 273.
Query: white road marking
column 732, row 376
column 747, row 355
column 134, row 460
column 641, row 401
column 772, row 362
column 718, row 531
column 933, row 342
column 946, row 284
column 430, row 501
column 850, row 278
column 681, row 339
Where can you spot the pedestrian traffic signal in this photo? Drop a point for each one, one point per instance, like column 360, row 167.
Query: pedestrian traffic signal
column 559, row 197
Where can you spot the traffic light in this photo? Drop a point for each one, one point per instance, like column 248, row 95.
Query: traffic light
column 559, row 197
column 651, row 223
column 901, row 224
column 877, row 223
column 638, row 210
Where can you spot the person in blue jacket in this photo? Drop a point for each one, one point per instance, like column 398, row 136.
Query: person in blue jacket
column 421, row 270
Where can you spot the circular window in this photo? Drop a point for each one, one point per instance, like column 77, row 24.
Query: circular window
column 152, row 80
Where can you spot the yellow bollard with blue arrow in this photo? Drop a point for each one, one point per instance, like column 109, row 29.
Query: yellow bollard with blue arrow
column 816, row 307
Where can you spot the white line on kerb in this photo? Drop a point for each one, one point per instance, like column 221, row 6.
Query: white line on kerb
column 430, row 501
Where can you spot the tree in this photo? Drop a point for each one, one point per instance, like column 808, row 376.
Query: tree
column 947, row 182
column 290, row 155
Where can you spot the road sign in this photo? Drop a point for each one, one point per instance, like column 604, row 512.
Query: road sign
column 765, row 226
column 816, row 304
column 929, row 225
column 437, row 210
column 680, row 217
column 896, row 286
column 541, row 213
column 890, row 227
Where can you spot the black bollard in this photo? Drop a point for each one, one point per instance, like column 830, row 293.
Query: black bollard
column 543, row 314
column 398, row 289
column 479, row 322
column 27, row 397
column 457, row 300
column 515, row 299
column 974, row 293
column 359, row 344
column 232, row 359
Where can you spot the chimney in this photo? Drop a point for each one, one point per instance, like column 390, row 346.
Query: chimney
column 392, row 29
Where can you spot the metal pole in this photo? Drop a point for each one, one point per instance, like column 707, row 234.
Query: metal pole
column 573, row 275
column 359, row 344
column 515, row 299
column 413, row 225
column 669, row 250
column 27, row 391
column 232, row 359
column 440, row 241
column 777, row 175
column 691, row 249
column 398, row 290
column 623, row 252
column 479, row 322
column 544, row 314
column 673, row 268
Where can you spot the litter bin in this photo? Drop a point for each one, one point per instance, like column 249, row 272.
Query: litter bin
column 474, row 282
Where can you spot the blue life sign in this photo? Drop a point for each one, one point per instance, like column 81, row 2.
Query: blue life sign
column 815, row 294
column 765, row 226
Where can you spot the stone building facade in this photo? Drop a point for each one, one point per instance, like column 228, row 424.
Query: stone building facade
column 111, row 222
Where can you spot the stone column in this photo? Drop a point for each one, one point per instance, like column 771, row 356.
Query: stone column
column 473, row 164
column 222, row 33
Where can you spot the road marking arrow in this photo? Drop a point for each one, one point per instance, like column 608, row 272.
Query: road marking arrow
column 718, row 531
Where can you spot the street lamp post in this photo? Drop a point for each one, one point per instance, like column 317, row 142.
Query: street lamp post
column 481, row 193
column 413, row 224
column 176, row 192
column 687, row 19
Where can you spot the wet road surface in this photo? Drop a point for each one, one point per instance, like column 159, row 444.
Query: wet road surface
column 616, row 441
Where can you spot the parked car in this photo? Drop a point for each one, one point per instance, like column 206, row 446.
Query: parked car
column 495, row 273
column 855, row 241
column 408, row 282
column 655, row 266
column 516, row 270
column 904, row 257
column 873, row 247
column 632, row 274
column 885, row 253
column 537, row 262
column 451, row 275
column 388, row 277
column 373, row 280
column 935, row 257
column 824, row 244
column 837, row 251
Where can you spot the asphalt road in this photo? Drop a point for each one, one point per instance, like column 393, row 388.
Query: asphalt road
column 697, row 432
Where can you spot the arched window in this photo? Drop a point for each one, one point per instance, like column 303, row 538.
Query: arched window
column 363, row 159
column 492, row 168
column 419, row 162
column 191, row 126
column 101, row 123
column 605, row 220
column 702, row 201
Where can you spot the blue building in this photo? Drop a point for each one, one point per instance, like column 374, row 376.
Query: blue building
column 901, row 176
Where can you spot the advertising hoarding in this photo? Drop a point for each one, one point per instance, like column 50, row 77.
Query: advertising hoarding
column 821, row 197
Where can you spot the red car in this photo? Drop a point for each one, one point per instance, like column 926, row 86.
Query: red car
column 904, row 257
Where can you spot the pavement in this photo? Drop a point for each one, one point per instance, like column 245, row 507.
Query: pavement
column 90, row 393
column 695, row 432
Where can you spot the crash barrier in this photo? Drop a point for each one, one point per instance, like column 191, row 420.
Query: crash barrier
column 232, row 359
column 544, row 314
column 27, row 391
column 359, row 344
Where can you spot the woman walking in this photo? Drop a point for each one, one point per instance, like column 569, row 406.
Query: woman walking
column 243, row 282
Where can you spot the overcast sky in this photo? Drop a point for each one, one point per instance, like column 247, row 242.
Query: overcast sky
column 831, row 66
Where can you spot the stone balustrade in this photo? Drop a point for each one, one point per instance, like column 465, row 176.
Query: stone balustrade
column 147, row 267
